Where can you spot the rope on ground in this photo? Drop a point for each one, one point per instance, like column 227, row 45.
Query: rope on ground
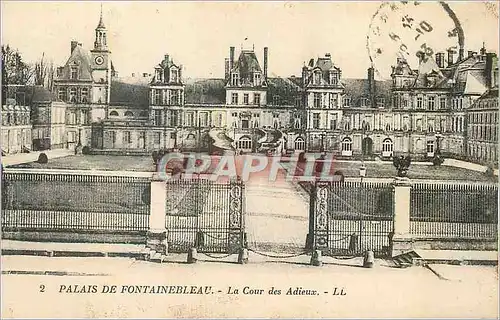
column 216, row 257
column 279, row 256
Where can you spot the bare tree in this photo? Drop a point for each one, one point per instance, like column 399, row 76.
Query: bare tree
column 14, row 70
column 40, row 71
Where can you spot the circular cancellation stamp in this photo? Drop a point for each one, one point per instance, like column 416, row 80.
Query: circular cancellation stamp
column 413, row 31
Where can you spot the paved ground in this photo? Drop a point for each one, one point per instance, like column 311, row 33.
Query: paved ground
column 277, row 214
column 15, row 159
column 383, row 291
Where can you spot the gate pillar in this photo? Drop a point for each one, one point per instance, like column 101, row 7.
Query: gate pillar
column 236, row 238
column 400, row 239
column 157, row 233
column 319, row 216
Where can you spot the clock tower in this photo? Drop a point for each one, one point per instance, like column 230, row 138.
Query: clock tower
column 101, row 70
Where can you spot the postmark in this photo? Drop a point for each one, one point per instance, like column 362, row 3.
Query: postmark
column 413, row 31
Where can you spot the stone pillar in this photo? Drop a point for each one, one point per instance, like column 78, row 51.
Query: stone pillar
column 157, row 233
column 401, row 240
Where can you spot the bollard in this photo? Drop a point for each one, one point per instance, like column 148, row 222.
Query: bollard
column 200, row 239
column 316, row 258
column 353, row 242
column 192, row 255
column 243, row 256
column 368, row 259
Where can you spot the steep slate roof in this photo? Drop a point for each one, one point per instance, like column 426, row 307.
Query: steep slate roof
column 80, row 57
column 209, row 91
column 133, row 91
column 32, row 94
column 246, row 65
column 358, row 88
column 285, row 88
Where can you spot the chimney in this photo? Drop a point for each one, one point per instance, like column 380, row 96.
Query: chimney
column 488, row 70
column 371, row 85
column 167, row 58
column 231, row 58
column 328, row 55
column 226, row 68
column 451, row 58
column 265, row 62
column 74, row 44
column 440, row 59
column 483, row 50
column 470, row 53
column 133, row 75
column 304, row 74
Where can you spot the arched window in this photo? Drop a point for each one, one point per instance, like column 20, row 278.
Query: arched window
column 244, row 143
column 365, row 126
column 387, row 147
column 347, row 126
column 113, row 113
column 300, row 144
column 129, row 114
column 388, row 127
column 347, row 147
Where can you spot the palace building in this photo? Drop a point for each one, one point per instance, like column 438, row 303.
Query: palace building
column 448, row 107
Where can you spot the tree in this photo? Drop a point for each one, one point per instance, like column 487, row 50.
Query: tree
column 44, row 73
column 14, row 70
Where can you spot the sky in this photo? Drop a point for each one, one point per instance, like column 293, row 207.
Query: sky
column 198, row 34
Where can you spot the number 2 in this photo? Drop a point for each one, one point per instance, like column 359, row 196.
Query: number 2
column 42, row 288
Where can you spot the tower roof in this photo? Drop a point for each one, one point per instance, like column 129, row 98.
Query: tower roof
column 101, row 22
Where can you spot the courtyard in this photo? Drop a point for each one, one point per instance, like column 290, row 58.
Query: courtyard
column 350, row 169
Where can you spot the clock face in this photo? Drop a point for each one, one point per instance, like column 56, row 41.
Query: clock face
column 99, row 60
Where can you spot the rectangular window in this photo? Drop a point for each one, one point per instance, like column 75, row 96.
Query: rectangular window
column 61, row 94
column 157, row 94
column 84, row 95
column 72, row 95
column 157, row 117
column 246, row 98
column 442, row 102
column 256, row 99
column 430, row 146
column 380, row 102
column 74, row 73
column 333, row 100
column 347, row 102
column 174, row 97
column 419, row 102
column 405, row 103
column 157, row 137
column 234, row 79
column 333, row 123
column 334, row 78
column 203, row 119
column 317, row 100
column 127, row 137
column 430, row 103
column 189, row 119
column 256, row 79
column 234, row 98
column 174, row 75
column 315, row 120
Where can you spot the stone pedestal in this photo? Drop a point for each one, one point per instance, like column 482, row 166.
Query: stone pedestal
column 401, row 239
column 157, row 233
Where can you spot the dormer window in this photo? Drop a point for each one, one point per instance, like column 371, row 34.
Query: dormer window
column 74, row 72
column 317, row 77
column 158, row 75
column 235, row 79
column 256, row 79
column 174, row 75
column 334, row 77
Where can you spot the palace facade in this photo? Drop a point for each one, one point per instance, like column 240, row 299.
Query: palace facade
column 448, row 106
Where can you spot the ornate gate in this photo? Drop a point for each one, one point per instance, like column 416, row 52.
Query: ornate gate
column 205, row 214
column 348, row 218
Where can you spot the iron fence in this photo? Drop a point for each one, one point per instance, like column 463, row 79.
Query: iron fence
column 205, row 214
column 351, row 217
column 36, row 201
column 454, row 210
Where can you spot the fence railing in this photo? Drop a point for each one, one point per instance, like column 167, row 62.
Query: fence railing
column 74, row 201
column 352, row 217
column 454, row 210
